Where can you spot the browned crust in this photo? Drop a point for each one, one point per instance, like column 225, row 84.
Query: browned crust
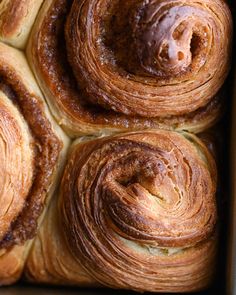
column 12, row 263
column 16, row 20
column 11, row 16
column 47, row 147
column 69, row 104
column 105, row 195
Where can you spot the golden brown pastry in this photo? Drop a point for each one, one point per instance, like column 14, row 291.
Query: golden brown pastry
column 16, row 20
column 32, row 151
column 108, row 66
column 135, row 211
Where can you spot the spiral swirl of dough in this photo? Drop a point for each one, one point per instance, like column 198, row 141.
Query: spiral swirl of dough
column 150, row 65
column 16, row 158
column 151, row 58
column 139, row 210
column 29, row 150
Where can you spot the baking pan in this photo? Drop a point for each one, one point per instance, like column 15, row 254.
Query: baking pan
column 231, row 257
column 39, row 290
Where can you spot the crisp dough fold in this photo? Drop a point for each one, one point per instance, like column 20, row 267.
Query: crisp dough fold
column 16, row 20
column 32, row 153
column 152, row 64
column 134, row 211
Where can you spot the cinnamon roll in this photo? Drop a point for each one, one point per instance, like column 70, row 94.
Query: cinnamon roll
column 108, row 66
column 16, row 20
column 32, row 149
column 135, row 211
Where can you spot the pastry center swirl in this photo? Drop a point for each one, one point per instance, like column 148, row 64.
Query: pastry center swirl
column 148, row 58
column 148, row 194
column 152, row 190
column 16, row 163
column 169, row 39
column 125, row 200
